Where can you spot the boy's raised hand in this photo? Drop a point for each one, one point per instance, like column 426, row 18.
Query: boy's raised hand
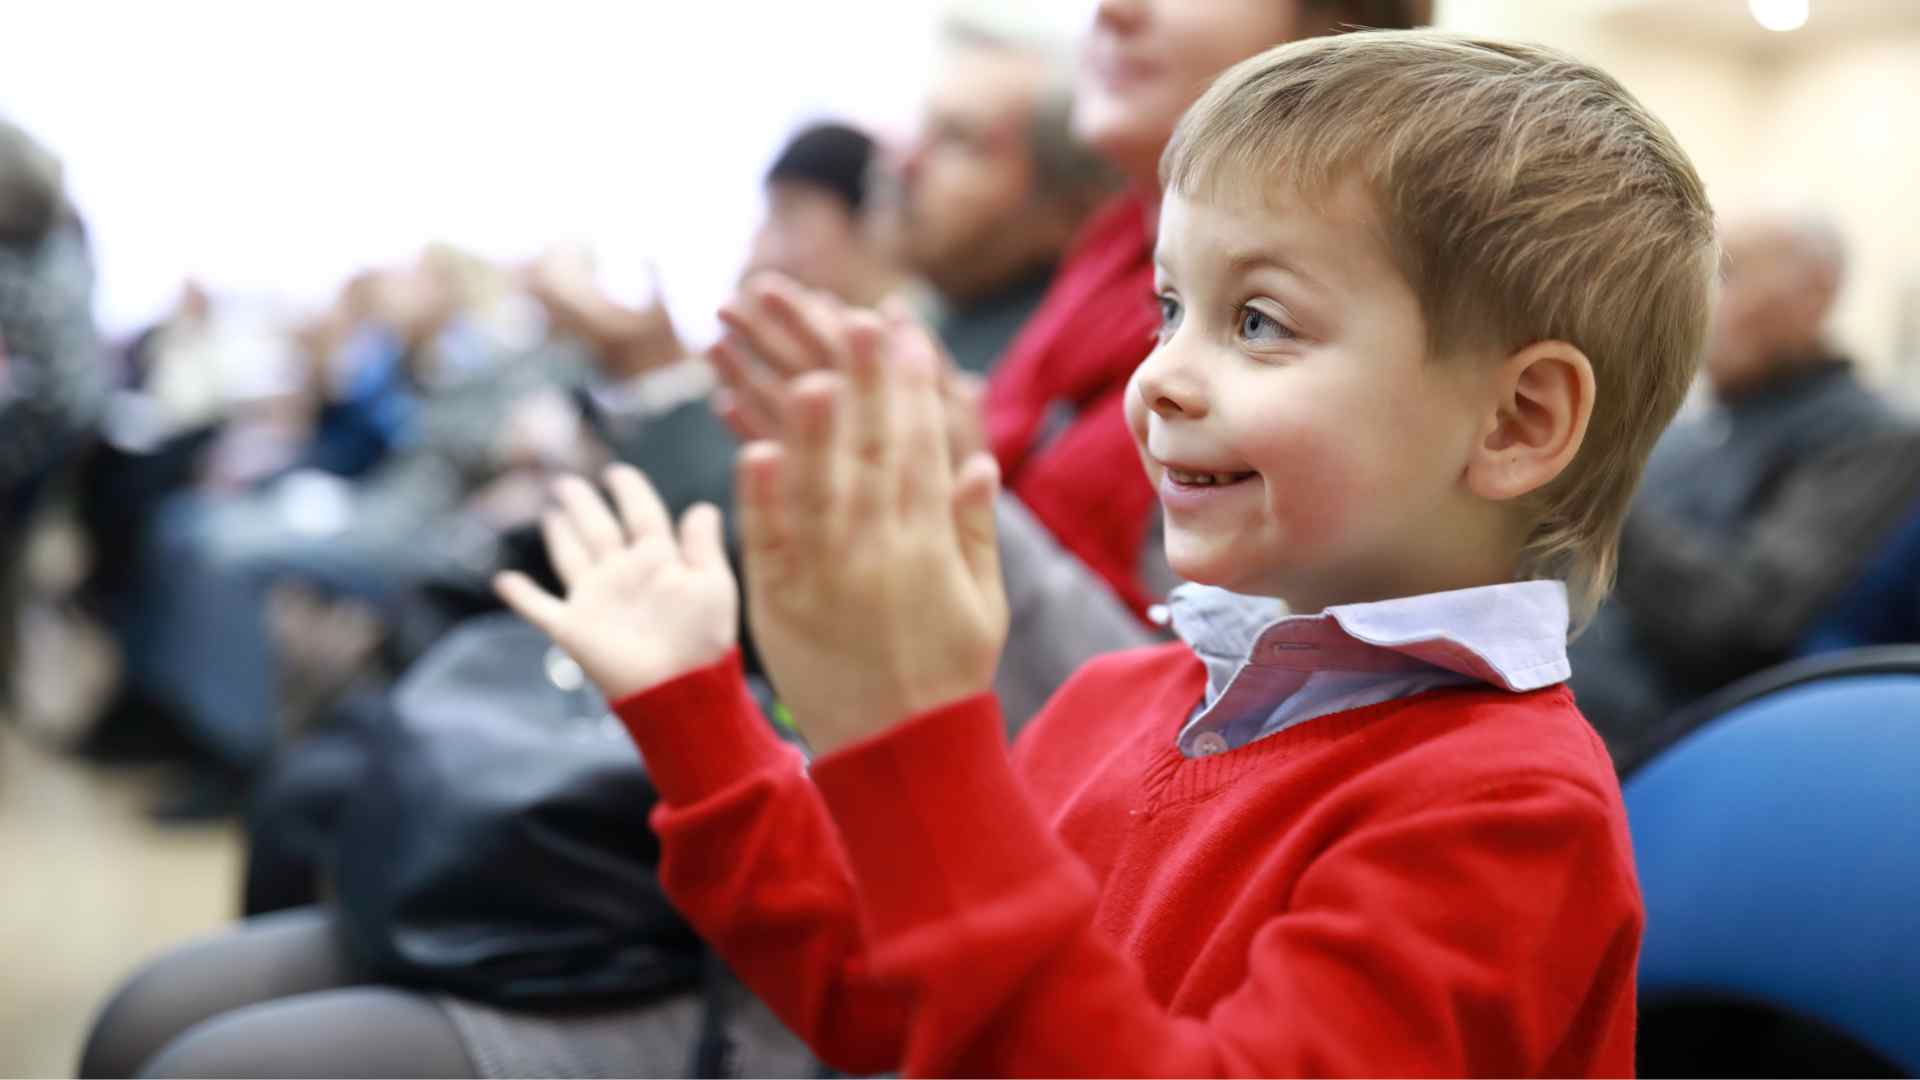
column 872, row 568
column 779, row 331
column 643, row 605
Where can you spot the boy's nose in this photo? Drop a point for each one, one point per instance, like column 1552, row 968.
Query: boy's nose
column 1169, row 391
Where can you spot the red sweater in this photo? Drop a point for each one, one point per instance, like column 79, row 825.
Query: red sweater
column 1436, row 885
column 1074, row 356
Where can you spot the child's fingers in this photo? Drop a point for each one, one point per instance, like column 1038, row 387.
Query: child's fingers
column 974, row 491
column 593, row 524
column 703, row 543
column 964, row 395
column 761, row 503
column 814, row 466
column 804, row 319
column 564, row 550
column 896, row 309
column 749, row 317
column 533, row 603
column 727, row 407
column 869, row 419
column 641, row 510
column 920, row 434
column 753, row 391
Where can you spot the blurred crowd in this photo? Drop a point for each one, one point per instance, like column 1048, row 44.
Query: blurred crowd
column 275, row 507
column 226, row 540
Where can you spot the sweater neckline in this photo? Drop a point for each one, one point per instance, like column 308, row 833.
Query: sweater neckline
column 1171, row 778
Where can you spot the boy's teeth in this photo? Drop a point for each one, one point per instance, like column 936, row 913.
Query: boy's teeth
column 1204, row 478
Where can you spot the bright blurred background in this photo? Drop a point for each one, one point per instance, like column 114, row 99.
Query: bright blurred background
column 270, row 151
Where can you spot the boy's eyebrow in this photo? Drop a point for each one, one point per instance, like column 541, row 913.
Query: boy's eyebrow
column 1263, row 260
column 1252, row 260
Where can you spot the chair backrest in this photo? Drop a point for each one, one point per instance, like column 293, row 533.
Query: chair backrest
column 1882, row 606
column 1778, row 847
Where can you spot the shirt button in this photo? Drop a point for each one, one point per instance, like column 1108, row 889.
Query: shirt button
column 1209, row 743
column 562, row 672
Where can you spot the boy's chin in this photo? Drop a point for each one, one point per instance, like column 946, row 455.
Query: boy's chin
column 1209, row 568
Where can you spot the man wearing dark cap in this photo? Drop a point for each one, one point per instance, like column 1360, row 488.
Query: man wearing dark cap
column 817, row 229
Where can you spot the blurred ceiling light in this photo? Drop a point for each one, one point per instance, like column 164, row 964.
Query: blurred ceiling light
column 1781, row 15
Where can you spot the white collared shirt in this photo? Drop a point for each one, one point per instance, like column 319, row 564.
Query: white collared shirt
column 1267, row 671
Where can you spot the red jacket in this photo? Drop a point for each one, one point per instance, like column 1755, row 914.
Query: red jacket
column 1054, row 408
column 1436, row 885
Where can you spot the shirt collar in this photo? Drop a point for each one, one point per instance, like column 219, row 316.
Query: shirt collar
column 1504, row 635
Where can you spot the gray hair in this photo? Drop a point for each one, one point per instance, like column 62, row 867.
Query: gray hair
column 1065, row 169
column 1817, row 237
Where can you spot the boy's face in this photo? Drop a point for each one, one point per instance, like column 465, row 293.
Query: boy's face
column 1302, row 443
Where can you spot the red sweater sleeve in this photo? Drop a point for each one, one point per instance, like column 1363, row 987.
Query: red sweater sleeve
column 750, row 857
column 1414, row 946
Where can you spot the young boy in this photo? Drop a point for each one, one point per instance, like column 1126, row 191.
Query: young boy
column 1426, row 303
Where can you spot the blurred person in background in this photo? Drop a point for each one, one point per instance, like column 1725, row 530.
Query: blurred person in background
column 1757, row 510
column 428, row 378
column 644, row 400
column 53, row 379
column 819, row 227
column 993, row 187
column 647, row 401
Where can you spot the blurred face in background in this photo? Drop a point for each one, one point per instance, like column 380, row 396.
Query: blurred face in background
column 813, row 236
column 1145, row 61
column 968, row 200
column 1778, row 286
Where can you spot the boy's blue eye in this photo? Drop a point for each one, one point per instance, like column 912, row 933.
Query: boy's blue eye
column 1257, row 325
column 1169, row 315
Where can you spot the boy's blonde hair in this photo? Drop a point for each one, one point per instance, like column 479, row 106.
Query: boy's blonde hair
column 1527, row 197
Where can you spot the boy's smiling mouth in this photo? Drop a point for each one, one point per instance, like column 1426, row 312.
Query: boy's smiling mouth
column 1185, row 489
column 1192, row 478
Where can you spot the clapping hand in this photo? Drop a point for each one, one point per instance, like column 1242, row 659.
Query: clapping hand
column 872, row 569
column 643, row 604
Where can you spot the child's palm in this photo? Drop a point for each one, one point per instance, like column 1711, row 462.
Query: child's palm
column 642, row 606
column 873, row 575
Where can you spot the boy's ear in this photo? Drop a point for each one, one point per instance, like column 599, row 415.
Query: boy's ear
column 1543, row 399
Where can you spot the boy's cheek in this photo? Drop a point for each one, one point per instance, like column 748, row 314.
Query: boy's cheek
column 1316, row 486
column 1136, row 413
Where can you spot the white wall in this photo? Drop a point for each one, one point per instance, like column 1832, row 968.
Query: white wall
column 1844, row 133
column 278, row 146
column 1829, row 120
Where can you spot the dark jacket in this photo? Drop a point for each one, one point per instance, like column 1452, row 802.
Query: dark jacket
column 55, row 383
column 1749, row 520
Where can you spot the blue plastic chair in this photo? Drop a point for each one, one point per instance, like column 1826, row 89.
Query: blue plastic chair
column 1778, row 846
